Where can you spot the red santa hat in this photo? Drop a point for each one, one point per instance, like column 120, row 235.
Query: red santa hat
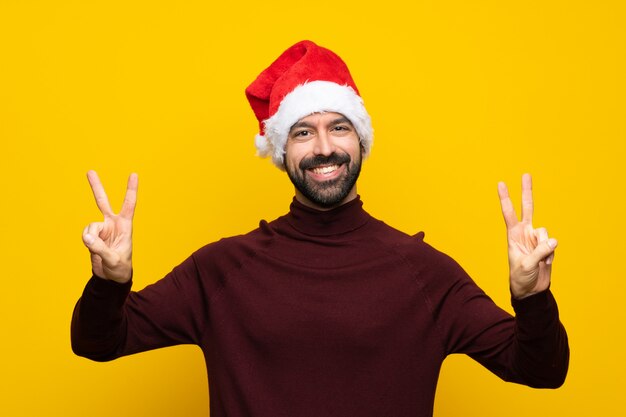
column 305, row 79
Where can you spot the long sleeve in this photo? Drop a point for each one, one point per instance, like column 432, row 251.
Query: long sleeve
column 530, row 348
column 541, row 346
column 98, row 324
column 110, row 320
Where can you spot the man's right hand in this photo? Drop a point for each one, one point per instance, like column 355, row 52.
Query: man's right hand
column 110, row 241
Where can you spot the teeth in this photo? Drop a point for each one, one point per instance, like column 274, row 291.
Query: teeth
column 325, row 170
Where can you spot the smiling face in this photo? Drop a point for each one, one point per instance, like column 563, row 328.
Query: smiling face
column 323, row 160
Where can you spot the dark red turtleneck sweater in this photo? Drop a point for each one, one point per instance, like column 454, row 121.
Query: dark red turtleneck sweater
column 323, row 314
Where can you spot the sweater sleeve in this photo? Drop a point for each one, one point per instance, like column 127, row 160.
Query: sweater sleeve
column 110, row 320
column 98, row 319
column 530, row 348
column 540, row 346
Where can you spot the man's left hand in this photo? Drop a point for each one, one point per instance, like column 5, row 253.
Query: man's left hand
column 530, row 250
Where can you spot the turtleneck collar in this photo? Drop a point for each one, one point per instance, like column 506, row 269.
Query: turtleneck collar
column 313, row 222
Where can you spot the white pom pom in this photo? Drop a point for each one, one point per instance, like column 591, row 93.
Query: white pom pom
column 263, row 146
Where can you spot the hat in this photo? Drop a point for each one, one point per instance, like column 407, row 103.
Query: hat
column 305, row 79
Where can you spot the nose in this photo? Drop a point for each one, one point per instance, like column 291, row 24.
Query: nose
column 323, row 144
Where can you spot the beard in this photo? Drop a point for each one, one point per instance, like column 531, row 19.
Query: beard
column 326, row 194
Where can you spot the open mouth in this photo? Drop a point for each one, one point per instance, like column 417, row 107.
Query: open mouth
column 325, row 170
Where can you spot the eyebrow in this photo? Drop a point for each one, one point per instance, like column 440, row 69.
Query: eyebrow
column 333, row 122
column 299, row 125
column 340, row 120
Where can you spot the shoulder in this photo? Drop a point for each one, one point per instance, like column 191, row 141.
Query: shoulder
column 422, row 254
column 235, row 249
column 430, row 265
column 413, row 247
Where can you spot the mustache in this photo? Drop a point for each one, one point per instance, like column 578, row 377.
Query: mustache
column 317, row 160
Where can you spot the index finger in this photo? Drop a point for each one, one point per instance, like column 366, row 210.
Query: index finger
column 508, row 212
column 527, row 198
column 130, row 199
column 102, row 201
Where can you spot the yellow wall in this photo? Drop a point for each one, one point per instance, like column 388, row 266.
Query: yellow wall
column 462, row 93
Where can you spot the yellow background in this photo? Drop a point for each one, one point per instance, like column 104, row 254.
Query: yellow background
column 462, row 94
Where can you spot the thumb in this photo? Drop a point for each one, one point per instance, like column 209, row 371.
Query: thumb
column 97, row 246
column 544, row 251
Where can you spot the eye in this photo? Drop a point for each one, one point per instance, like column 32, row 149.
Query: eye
column 301, row 134
column 341, row 128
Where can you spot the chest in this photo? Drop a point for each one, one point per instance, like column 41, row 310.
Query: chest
column 342, row 301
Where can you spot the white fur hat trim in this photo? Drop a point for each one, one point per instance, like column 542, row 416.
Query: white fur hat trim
column 308, row 98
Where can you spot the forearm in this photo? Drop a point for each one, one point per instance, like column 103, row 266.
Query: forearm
column 530, row 348
column 541, row 350
column 98, row 325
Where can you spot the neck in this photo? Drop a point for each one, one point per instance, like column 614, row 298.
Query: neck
column 314, row 222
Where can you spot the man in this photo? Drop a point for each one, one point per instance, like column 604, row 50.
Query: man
column 325, row 311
